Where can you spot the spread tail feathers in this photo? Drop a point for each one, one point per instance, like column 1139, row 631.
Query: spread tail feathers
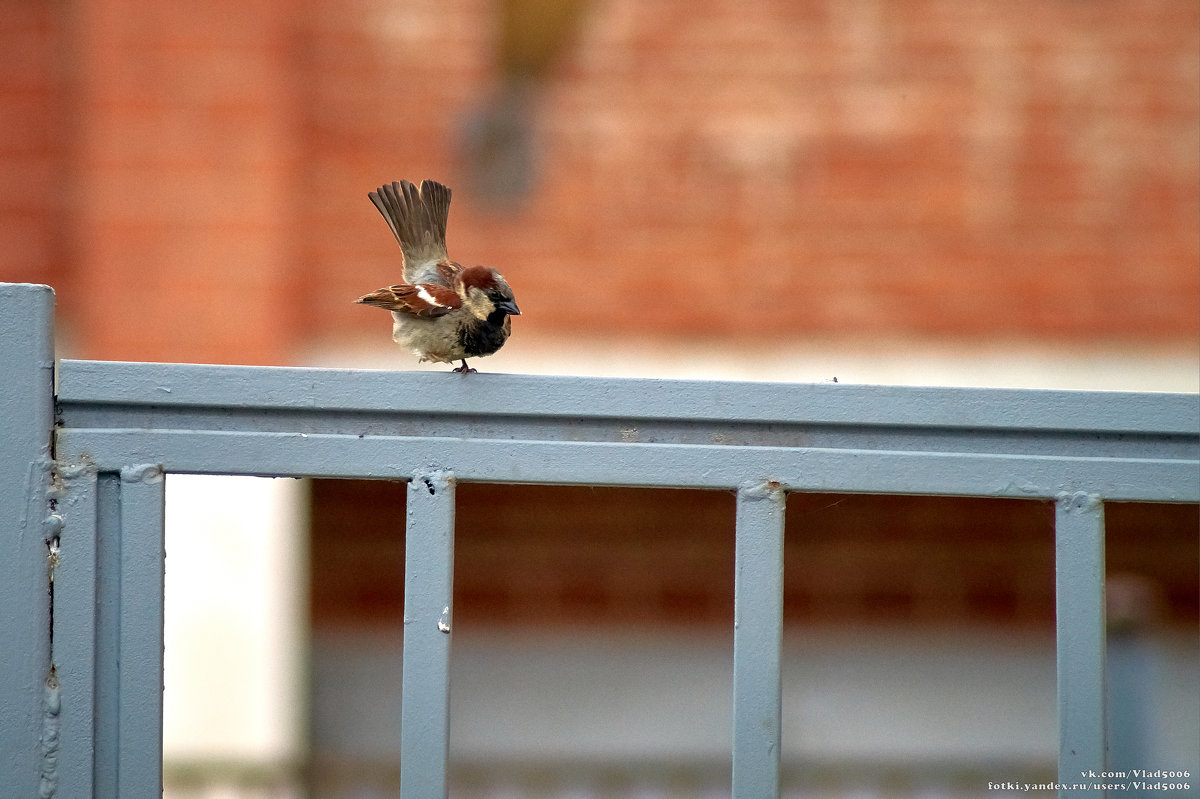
column 417, row 218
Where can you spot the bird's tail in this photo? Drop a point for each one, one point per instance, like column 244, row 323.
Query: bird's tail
column 417, row 218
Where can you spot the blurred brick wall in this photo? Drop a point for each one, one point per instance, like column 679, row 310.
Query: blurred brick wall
column 865, row 168
column 149, row 174
column 529, row 555
column 193, row 178
column 36, row 131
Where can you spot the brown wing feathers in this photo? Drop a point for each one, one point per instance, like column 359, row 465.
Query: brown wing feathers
column 423, row 299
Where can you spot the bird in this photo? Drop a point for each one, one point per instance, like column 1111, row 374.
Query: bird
column 443, row 312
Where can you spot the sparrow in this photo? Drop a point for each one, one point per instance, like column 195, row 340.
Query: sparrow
column 443, row 311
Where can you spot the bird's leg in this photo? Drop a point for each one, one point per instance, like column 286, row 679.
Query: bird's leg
column 464, row 369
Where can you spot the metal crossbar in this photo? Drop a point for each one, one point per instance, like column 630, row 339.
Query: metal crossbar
column 120, row 426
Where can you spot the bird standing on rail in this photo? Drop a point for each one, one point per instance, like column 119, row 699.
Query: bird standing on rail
column 443, row 311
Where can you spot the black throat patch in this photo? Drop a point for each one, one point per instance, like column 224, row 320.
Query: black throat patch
column 484, row 338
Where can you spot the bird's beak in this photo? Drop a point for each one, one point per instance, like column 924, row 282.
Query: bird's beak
column 509, row 307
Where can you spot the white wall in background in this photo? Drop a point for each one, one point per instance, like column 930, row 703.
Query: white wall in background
column 236, row 619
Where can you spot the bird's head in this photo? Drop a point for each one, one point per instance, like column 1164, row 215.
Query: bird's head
column 487, row 295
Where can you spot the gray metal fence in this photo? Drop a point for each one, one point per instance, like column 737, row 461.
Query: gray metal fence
column 81, row 509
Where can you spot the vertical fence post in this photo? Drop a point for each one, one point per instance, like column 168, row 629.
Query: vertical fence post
column 140, row 640
column 1079, row 598
column 75, row 609
column 109, row 631
column 428, row 599
column 757, row 640
column 28, row 693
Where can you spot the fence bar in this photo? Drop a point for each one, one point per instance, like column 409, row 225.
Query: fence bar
column 436, row 396
column 140, row 641
column 108, row 629
column 1079, row 591
column 757, row 640
column 635, row 464
column 26, row 418
column 428, row 599
column 75, row 609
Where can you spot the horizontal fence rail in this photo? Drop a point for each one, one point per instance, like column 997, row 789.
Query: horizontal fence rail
column 120, row 426
column 518, row 428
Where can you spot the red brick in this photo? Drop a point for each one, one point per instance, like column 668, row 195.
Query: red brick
column 946, row 170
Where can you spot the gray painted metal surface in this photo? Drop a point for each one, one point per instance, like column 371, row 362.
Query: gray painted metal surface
column 717, row 466
column 105, row 638
column 1079, row 597
column 26, row 413
column 757, row 639
column 81, row 600
column 509, row 428
column 120, row 425
column 108, row 631
column 428, row 608
column 139, row 634
column 232, row 389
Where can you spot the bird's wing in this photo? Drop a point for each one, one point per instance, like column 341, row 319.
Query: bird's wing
column 417, row 218
column 429, row 300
